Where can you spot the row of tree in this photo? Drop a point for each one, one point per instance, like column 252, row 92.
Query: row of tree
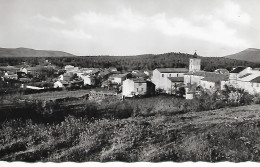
column 144, row 62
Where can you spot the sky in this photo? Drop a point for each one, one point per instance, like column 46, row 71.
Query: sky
column 129, row 27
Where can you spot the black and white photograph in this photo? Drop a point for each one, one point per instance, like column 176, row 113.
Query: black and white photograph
column 129, row 81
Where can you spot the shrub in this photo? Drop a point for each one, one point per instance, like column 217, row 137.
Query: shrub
column 256, row 99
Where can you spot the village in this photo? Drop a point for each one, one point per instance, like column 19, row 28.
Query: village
column 181, row 82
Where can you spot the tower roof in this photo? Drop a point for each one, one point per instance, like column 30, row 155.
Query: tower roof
column 195, row 55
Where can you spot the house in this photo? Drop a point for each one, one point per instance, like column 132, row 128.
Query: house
column 68, row 76
column 139, row 74
column 236, row 73
column 104, row 74
column 24, row 70
column 10, row 76
column 88, row 79
column 118, row 78
column 195, row 78
column 148, row 73
column 112, row 69
column 77, row 83
column 255, row 83
column 174, row 84
column 137, row 86
column 213, row 83
column 58, row 84
column 93, row 71
column 245, row 78
column 161, row 75
column 222, row 71
column 70, row 68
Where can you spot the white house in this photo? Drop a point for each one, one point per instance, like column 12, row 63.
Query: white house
column 88, row 79
column 137, row 86
column 202, row 78
column 161, row 77
column 174, row 83
column 22, row 69
column 213, row 83
column 70, row 68
column 245, row 78
column 58, row 84
column 118, row 78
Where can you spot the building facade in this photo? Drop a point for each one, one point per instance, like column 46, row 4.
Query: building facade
column 161, row 77
column 134, row 87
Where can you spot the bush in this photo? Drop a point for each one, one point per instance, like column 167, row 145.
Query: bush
column 256, row 99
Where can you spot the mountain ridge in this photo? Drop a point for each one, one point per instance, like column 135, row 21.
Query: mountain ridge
column 250, row 54
column 27, row 52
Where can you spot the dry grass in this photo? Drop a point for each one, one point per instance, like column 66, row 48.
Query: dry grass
column 230, row 134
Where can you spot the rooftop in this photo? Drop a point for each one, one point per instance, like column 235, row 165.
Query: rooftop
column 139, row 80
column 119, row 75
column 176, row 79
column 215, row 79
column 172, row 70
column 249, row 78
column 238, row 70
column 256, row 80
column 243, row 76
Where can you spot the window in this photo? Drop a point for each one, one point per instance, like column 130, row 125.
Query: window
column 142, row 89
column 170, row 75
column 162, row 75
column 257, row 84
column 177, row 75
column 137, row 89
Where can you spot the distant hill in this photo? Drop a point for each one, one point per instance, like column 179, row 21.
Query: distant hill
column 17, row 56
column 25, row 52
column 251, row 55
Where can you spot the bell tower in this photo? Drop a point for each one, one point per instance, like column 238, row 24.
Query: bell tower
column 195, row 62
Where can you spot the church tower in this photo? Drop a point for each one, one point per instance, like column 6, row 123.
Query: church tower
column 194, row 65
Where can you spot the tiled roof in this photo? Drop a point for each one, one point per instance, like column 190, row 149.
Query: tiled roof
column 237, row 70
column 199, row 73
column 176, row 79
column 222, row 71
column 256, row 80
column 172, row 70
column 204, row 74
column 139, row 80
column 119, row 75
column 243, row 76
column 249, row 78
column 215, row 78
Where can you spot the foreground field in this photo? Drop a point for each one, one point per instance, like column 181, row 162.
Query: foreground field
column 230, row 134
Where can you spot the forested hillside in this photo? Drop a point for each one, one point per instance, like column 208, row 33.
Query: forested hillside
column 145, row 62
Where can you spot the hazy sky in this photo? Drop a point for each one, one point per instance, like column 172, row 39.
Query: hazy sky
column 129, row 27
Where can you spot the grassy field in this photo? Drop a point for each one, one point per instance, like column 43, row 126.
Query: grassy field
column 155, row 133
column 56, row 95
